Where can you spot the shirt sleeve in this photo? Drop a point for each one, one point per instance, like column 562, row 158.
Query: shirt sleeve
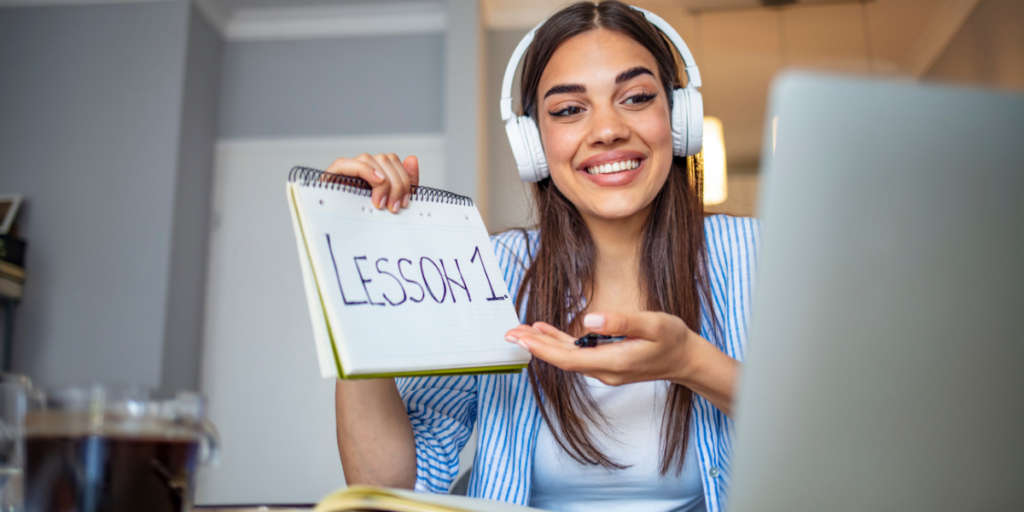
column 745, row 249
column 442, row 411
column 732, row 245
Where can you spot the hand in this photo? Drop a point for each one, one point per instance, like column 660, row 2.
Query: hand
column 392, row 179
column 659, row 347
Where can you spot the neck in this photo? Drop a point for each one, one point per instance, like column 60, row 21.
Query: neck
column 617, row 264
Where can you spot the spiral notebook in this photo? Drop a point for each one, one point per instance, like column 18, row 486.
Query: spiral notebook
column 413, row 293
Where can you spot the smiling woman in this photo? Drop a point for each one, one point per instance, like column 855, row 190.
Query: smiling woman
column 605, row 102
column 610, row 138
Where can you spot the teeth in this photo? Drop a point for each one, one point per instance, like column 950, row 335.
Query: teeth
column 624, row 165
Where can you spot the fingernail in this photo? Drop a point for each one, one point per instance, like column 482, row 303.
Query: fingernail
column 383, row 200
column 379, row 174
column 523, row 345
column 405, row 201
column 593, row 321
column 511, row 339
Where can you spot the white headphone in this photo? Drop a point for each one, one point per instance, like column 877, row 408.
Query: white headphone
column 687, row 109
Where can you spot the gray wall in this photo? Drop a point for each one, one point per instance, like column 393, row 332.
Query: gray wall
column 509, row 201
column 192, row 202
column 323, row 87
column 465, row 128
column 90, row 101
column 108, row 119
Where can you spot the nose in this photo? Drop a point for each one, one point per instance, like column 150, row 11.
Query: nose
column 606, row 127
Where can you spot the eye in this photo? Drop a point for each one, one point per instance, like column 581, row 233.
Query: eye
column 640, row 98
column 567, row 111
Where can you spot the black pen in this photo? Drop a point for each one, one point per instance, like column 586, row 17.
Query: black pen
column 593, row 340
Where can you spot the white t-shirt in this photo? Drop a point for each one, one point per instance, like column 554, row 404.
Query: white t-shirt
column 634, row 412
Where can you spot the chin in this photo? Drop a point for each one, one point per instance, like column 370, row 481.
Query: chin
column 616, row 210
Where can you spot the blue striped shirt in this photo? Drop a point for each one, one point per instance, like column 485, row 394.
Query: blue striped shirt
column 443, row 410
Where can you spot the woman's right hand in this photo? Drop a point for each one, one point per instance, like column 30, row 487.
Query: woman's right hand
column 392, row 179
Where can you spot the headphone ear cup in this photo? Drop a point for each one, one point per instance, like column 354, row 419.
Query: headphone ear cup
column 695, row 120
column 687, row 121
column 520, row 150
column 531, row 135
column 680, row 107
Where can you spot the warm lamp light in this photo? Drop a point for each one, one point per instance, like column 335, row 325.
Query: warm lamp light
column 715, row 190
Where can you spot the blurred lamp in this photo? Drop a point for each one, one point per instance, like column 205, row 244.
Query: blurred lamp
column 715, row 190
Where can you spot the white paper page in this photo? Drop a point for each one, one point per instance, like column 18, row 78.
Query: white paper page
column 324, row 353
column 413, row 291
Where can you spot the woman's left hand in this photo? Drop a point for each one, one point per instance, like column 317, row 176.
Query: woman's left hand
column 658, row 346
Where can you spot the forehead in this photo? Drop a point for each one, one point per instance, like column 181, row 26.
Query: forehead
column 595, row 56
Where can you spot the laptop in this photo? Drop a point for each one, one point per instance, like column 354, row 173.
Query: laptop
column 886, row 360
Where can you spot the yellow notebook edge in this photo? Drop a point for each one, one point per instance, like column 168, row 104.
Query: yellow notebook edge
column 479, row 370
column 364, row 497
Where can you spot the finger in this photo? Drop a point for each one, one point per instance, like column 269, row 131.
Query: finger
column 398, row 186
column 513, row 335
column 552, row 331
column 412, row 168
column 569, row 358
column 543, row 346
column 357, row 169
column 646, row 325
column 394, row 180
column 526, row 335
column 380, row 191
column 536, row 336
column 403, row 201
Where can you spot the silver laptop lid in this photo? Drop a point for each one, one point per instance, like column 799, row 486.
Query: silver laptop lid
column 886, row 362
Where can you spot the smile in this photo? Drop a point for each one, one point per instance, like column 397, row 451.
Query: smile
column 613, row 167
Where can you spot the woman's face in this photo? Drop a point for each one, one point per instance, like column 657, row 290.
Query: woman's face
column 604, row 122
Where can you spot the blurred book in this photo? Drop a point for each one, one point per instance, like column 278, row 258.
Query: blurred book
column 9, row 206
column 381, row 499
column 12, row 276
column 10, row 288
column 12, row 249
column 12, row 271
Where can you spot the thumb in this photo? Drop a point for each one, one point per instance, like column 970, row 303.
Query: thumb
column 412, row 167
column 645, row 325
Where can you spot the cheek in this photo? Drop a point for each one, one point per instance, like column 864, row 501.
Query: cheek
column 656, row 131
column 560, row 144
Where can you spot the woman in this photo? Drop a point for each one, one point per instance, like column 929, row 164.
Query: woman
column 622, row 248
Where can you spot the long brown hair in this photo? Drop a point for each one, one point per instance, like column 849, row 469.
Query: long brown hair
column 673, row 274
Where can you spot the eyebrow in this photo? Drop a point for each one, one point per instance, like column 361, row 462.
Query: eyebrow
column 565, row 88
column 625, row 76
column 632, row 73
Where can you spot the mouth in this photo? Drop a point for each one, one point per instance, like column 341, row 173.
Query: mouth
column 614, row 167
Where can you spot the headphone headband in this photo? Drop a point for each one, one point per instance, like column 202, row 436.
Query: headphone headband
column 690, row 66
column 510, row 73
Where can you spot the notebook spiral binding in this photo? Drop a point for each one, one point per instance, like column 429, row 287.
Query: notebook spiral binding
column 315, row 178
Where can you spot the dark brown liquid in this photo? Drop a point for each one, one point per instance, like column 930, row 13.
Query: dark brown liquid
column 108, row 474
